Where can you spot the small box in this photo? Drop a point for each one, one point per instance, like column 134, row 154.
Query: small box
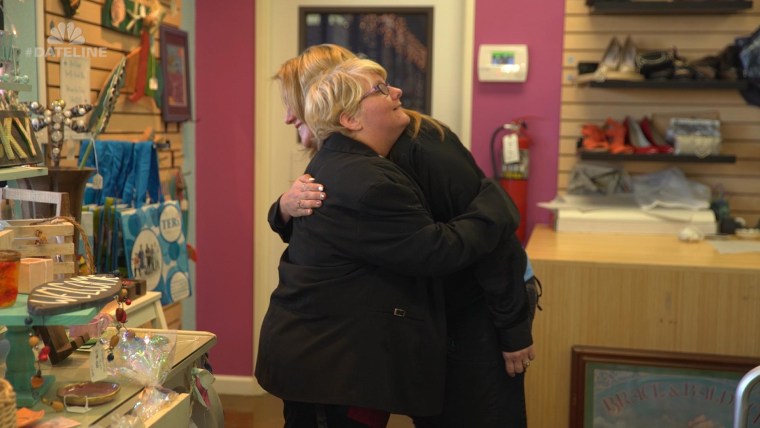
column 33, row 271
column 45, row 240
column 136, row 287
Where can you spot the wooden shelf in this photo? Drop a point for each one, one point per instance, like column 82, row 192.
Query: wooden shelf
column 671, row 84
column 585, row 155
column 667, row 7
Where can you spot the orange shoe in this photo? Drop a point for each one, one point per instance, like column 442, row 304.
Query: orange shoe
column 594, row 139
column 616, row 133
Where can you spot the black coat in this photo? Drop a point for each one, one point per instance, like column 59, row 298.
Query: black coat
column 450, row 178
column 354, row 321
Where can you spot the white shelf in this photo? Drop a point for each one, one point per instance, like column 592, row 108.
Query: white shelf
column 16, row 172
column 18, row 87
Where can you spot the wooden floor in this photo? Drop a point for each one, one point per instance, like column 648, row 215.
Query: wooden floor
column 265, row 411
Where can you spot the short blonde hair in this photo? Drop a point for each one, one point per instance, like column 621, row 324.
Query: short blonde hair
column 297, row 73
column 336, row 92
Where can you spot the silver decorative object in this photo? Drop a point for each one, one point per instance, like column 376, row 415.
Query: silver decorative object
column 56, row 118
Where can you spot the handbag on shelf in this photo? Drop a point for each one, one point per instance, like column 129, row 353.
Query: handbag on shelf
column 695, row 136
column 656, row 64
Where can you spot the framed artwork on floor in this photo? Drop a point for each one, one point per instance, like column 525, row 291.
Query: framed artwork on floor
column 175, row 70
column 613, row 387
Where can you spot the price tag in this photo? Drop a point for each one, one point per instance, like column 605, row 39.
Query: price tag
column 153, row 84
column 97, row 181
column 510, row 149
column 97, row 363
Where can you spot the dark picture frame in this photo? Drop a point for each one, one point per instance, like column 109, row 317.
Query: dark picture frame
column 625, row 387
column 398, row 38
column 176, row 104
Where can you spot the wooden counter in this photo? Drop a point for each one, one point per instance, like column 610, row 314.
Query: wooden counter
column 648, row 292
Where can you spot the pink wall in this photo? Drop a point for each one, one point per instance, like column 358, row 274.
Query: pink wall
column 538, row 24
column 224, row 180
column 224, row 151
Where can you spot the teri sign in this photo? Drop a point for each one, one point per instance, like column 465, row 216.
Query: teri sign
column 18, row 145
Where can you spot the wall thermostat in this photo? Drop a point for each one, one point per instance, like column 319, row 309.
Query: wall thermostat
column 503, row 63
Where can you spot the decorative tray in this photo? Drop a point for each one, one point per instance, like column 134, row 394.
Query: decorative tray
column 88, row 393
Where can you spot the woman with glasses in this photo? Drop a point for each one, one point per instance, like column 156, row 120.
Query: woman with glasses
column 488, row 328
column 355, row 328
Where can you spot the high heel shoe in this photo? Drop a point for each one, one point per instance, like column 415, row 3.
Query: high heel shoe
column 654, row 137
column 609, row 63
column 611, row 58
column 626, row 69
column 637, row 138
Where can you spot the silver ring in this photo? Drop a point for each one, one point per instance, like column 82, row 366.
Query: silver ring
column 303, row 187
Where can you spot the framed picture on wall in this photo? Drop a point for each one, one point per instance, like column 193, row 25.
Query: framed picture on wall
column 175, row 101
column 633, row 388
column 398, row 38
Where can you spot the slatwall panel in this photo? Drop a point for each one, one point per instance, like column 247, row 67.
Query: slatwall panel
column 129, row 119
column 694, row 36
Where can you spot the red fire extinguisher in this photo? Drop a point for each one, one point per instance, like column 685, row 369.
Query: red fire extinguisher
column 511, row 165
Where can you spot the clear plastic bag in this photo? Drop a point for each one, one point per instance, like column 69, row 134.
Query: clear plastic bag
column 670, row 188
column 144, row 358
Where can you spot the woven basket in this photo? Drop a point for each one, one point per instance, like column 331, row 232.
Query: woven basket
column 7, row 405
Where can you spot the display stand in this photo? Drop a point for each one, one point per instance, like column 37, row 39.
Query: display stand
column 20, row 362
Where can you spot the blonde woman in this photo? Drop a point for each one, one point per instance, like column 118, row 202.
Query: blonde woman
column 355, row 326
column 488, row 325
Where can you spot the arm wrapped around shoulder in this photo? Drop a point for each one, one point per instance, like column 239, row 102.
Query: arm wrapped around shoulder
column 285, row 230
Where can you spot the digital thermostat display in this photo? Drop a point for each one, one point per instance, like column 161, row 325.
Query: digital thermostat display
column 502, row 57
column 503, row 63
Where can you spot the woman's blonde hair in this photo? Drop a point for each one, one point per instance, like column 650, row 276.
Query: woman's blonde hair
column 336, row 92
column 296, row 74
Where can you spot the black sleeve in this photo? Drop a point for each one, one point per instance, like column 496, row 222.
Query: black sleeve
column 501, row 275
column 447, row 173
column 285, row 230
column 397, row 233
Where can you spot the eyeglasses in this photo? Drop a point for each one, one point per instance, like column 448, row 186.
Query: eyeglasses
column 380, row 87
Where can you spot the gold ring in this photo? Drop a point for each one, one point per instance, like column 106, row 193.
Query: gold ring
column 299, row 203
column 526, row 363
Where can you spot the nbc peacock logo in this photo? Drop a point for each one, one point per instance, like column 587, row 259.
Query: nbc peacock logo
column 66, row 40
column 65, row 33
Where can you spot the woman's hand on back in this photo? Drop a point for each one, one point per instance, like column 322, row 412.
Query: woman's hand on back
column 303, row 196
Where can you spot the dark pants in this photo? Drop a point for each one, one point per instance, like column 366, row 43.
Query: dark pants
column 310, row 415
column 479, row 392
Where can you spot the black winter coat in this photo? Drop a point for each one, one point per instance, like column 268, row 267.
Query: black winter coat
column 355, row 320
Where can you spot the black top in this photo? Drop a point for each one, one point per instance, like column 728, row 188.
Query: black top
column 355, row 319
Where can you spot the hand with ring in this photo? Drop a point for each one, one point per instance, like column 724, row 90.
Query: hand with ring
column 303, row 196
column 518, row 362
